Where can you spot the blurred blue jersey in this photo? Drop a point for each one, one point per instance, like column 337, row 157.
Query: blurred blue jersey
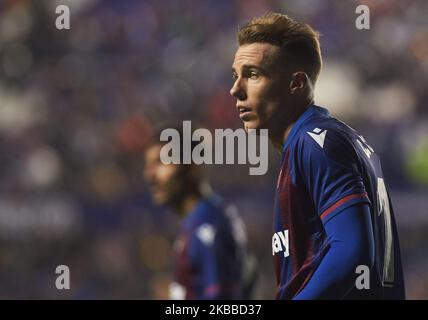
column 326, row 167
column 210, row 254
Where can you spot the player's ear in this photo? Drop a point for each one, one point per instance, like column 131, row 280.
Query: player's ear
column 299, row 82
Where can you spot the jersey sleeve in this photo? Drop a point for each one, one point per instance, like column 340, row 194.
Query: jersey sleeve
column 352, row 245
column 330, row 170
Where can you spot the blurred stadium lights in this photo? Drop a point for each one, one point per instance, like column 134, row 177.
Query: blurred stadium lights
column 338, row 87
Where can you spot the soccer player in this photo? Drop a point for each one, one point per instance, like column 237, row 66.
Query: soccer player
column 333, row 218
column 211, row 256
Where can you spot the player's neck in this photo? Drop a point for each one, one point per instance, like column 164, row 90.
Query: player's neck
column 279, row 143
column 279, row 140
column 188, row 203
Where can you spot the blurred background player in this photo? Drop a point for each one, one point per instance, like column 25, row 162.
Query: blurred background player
column 332, row 211
column 211, row 258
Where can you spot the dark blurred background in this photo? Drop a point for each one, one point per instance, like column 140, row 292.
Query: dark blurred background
column 78, row 106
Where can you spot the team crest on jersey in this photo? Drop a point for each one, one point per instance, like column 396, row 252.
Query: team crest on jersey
column 280, row 243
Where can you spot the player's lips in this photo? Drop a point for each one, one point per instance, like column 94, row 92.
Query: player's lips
column 244, row 112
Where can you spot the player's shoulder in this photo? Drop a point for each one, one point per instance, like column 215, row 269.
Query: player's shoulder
column 326, row 136
column 210, row 210
column 322, row 130
column 209, row 220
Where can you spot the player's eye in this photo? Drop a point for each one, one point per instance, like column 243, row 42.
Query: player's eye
column 254, row 75
column 234, row 76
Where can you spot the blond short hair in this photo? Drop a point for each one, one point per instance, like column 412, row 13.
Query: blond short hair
column 299, row 43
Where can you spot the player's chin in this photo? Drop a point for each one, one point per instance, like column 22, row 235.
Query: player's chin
column 160, row 198
column 252, row 124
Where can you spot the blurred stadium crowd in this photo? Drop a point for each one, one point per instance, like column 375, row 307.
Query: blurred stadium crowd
column 78, row 106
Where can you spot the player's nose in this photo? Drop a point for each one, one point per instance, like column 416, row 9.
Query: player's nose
column 237, row 90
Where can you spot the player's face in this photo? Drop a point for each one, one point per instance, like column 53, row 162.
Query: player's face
column 260, row 85
column 164, row 180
